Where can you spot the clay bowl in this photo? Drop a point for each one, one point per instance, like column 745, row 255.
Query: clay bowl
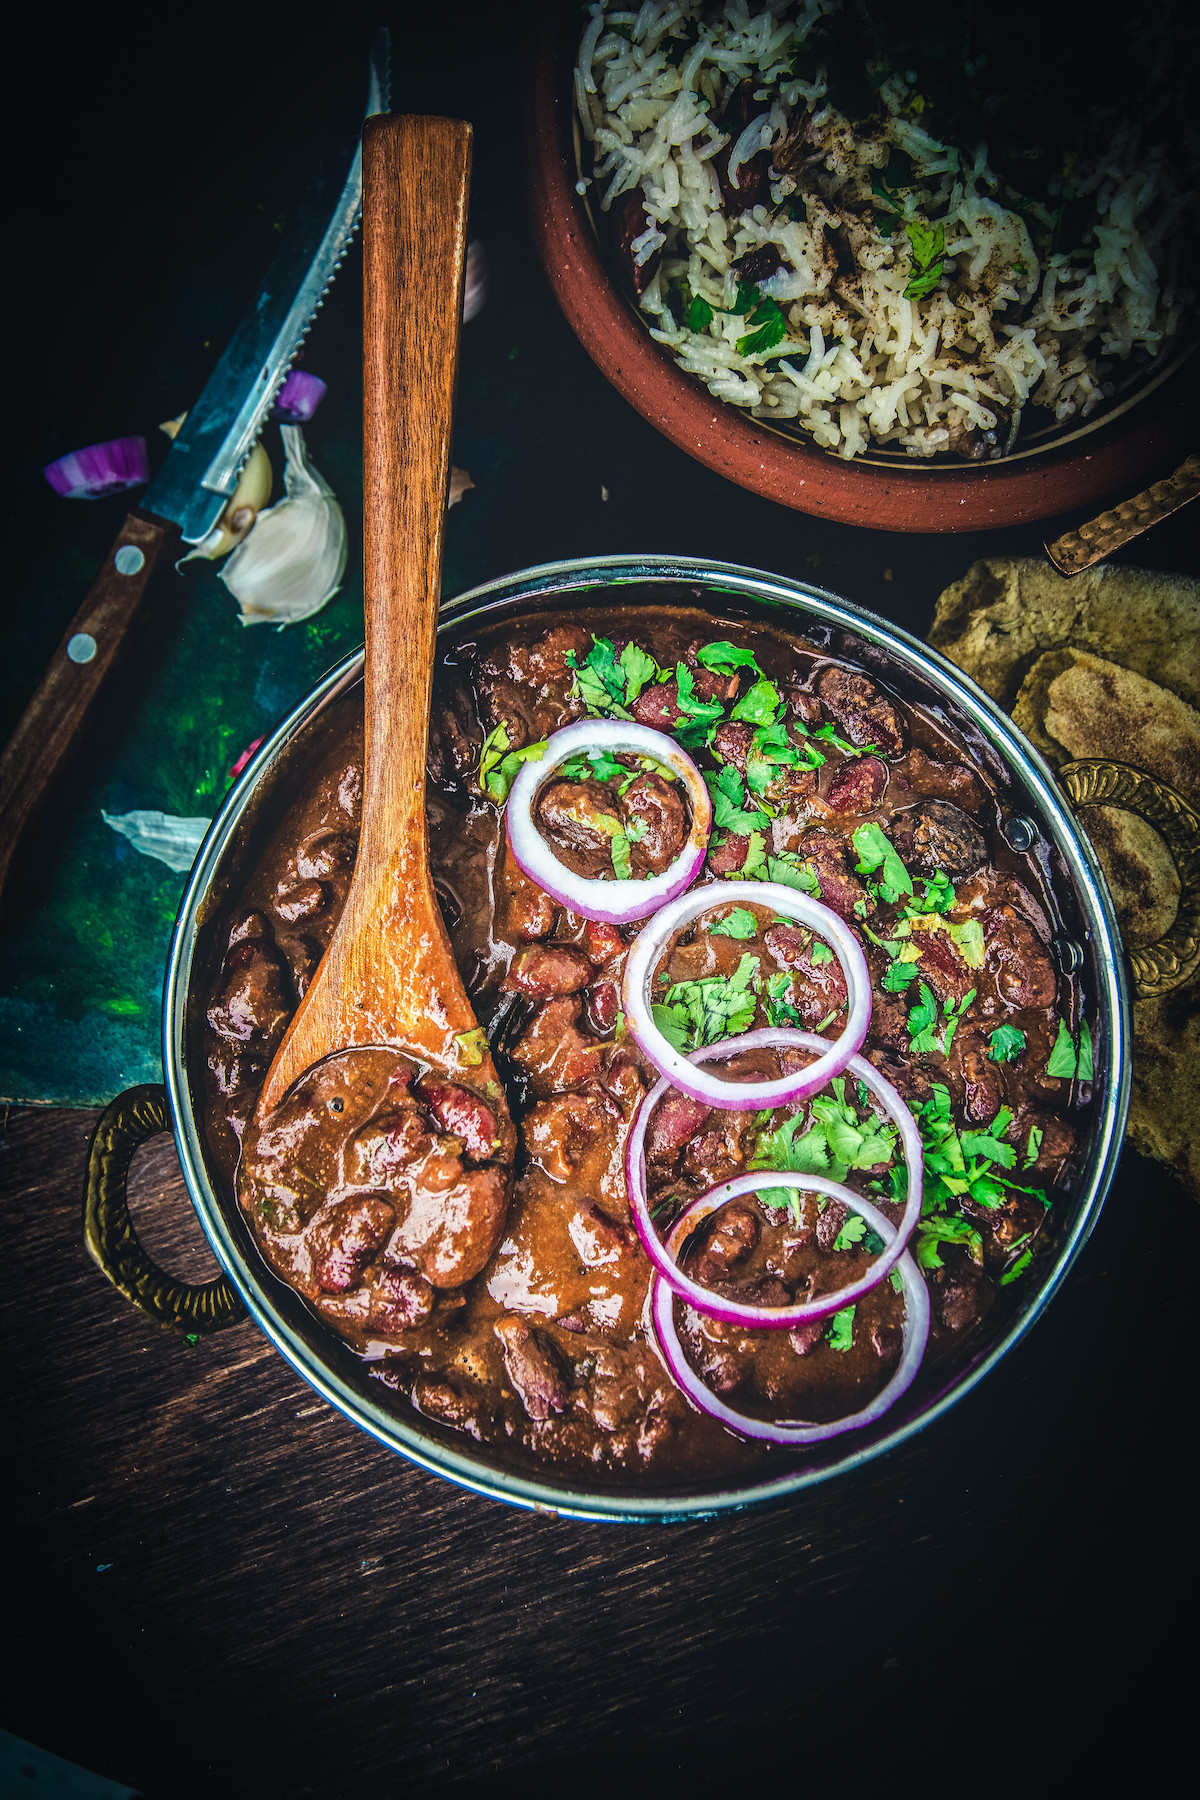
column 1089, row 940
column 1142, row 436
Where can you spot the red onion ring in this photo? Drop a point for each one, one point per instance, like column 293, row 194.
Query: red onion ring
column 609, row 902
column 740, row 1312
column 679, row 1069
column 796, row 1431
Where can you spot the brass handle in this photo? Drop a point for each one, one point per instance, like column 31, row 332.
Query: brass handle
column 133, row 1117
column 1092, row 542
column 1096, row 781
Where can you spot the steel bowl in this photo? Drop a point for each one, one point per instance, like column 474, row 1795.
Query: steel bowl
column 1088, row 941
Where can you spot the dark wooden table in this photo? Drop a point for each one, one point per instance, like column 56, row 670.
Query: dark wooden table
column 215, row 1585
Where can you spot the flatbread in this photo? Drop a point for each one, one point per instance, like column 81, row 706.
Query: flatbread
column 1107, row 664
column 1006, row 612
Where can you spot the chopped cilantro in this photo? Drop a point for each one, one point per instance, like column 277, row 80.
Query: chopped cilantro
column 840, row 743
column 1033, row 1147
column 1006, row 1043
column 782, row 1149
column 854, row 1230
column 875, row 851
column 498, row 770
column 928, row 249
column 700, row 713
column 821, row 953
column 698, row 314
column 1019, row 1267
column 777, row 1001
column 724, row 658
column 705, row 1011
column 1063, row 1057
column 756, row 859
column 921, row 1020
column 937, row 898
column 597, row 765
column 946, row 1230
column 840, row 1335
column 740, row 923
column 789, row 871
column 902, row 970
column 969, row 938
column 638, row 669
column 728, row 798
column 759, row 705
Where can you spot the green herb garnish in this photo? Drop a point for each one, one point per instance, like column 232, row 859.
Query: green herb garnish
column 705, row 1011
column 875, row 851
column 728, row 798
column 1065, row 1059
column 740, row 923
column 840, row 1335
column 1006, row 1043
column 498, row 770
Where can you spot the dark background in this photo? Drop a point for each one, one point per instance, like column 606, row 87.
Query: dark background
column 214, row 1584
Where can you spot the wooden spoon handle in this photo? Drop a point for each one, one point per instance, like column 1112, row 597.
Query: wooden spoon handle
column 416, row 175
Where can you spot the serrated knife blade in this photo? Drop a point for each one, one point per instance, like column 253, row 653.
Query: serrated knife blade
column 201, row 471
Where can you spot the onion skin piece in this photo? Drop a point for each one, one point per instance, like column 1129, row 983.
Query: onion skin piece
column 661, row 1312
column 299, row 397
column 742, row 1312
column 607, row 902
column 100, row 469
column 680, row 1070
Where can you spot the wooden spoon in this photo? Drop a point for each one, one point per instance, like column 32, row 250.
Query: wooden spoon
column 388, row 976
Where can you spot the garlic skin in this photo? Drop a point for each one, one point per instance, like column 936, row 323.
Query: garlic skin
column 477, row 281
column 164, row 836
column 294, row 559
column 251, row 494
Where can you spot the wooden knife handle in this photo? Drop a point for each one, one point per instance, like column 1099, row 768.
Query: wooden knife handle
column 55, row 717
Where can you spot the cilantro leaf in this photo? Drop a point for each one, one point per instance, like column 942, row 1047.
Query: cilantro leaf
column 777, row 1001
column 782, row 1149
column 982, row 1143
column 830, row 736
column 748, row 297
column 854, row 1230
column 698, row 314
column 788, row 871
column 937, row 898
column 874, row 851
column 771, row 332
column 921, row 1020
column 952, row 1230
column 723, row 658
column 820, row 953
column 707, row 1010
column 1006, row 1043
column 923, row 284
column 600, row 681
column 756, row 859
column 1033, row 1147
column 497, row 772
column 700, row 713
column 1019, row 1267
column 638, row 669
column 900, row 972
column 969, row 938
column 740, row 923
column 1063, row 1057
column 728, row 795
column 840, row 1335
column 759, row 705
column 928, row 248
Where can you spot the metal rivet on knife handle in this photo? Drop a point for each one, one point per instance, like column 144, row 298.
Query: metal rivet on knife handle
column 82, row 647
column 129, row 560
column 1079, row 550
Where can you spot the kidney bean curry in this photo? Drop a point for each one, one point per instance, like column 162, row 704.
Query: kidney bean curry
column 493, row 1277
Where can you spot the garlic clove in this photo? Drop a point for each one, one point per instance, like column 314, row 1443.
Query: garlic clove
column 460, row 481
column 293, row 561
column 251, row 494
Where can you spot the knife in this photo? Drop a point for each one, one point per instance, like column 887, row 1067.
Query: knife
column 195, row 483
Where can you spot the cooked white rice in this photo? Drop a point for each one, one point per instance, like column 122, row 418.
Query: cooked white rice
column 861, row 365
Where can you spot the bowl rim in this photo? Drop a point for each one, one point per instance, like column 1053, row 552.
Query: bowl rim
column 1146, row 439
column 545, row 582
